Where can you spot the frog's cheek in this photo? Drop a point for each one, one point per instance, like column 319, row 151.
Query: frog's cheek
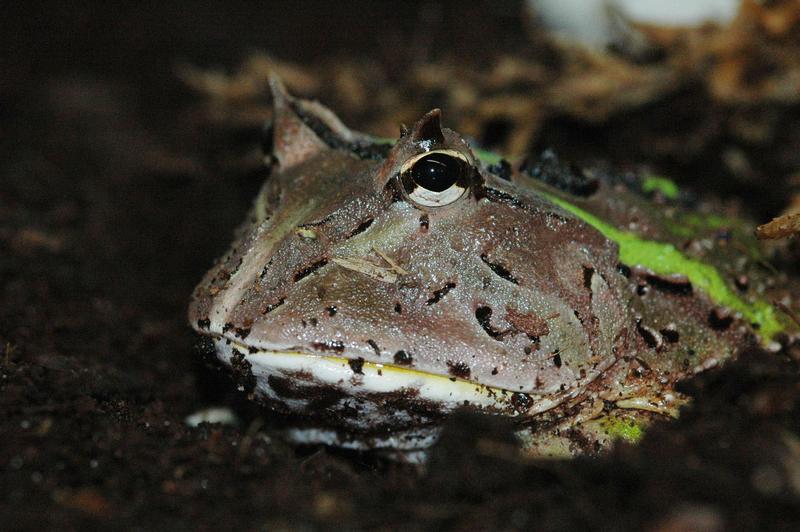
column 366, row 394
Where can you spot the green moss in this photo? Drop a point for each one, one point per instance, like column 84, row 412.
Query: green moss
column 623, row 429
column 487, row 157
column 666, row 186
column 665, row 259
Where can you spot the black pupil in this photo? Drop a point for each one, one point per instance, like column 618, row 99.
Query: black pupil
column 437, row 172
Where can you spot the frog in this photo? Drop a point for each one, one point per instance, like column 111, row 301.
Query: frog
column 377, row 286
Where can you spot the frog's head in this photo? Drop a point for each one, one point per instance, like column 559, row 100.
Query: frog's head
column 381, row 277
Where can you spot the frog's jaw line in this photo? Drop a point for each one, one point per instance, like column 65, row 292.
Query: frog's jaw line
column 373, row 382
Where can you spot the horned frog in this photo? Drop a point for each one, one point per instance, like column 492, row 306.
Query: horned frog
column 374, row 288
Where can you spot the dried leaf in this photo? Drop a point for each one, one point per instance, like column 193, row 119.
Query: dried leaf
column 780, row 227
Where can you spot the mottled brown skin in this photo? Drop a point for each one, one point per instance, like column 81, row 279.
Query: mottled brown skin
column 547, row 251
column 501, row 287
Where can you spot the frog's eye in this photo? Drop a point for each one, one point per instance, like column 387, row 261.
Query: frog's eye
column 436, row 178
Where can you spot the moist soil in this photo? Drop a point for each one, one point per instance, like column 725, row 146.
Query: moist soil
column 114, row 200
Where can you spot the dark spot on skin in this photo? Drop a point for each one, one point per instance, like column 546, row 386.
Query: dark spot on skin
column 424, row 222
column 374, row 347
column 720, row 319
column 227, row 327
column 502, row 169
column 252, row 350
column 569, row 178
column 651, row 337
column 499, row 270
column 203, row 323
column 265, row 269
column 484, row 317
column 401, row 358
column 497, row 196
column 308, row 270
column 458, row 369
column 677, row 284
column 331, row 345
column 313, row 322
column 557, row 358
column 398, row 308
column 494, row 371
column 521, row 401
column 439, row 294
column 242, row 332
column 266, row 309
column 588, row 272
column 363, row 226
column 331, row 310
column 317, row 223
column 357, row 365
column 670, row 335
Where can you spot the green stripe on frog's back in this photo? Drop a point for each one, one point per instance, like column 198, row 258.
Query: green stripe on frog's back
column 665, row 259
column 652, row 183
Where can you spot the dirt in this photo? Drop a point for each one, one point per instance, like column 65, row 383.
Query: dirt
column 114, row 200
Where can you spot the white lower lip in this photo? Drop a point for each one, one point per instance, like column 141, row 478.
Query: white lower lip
column 448, row 393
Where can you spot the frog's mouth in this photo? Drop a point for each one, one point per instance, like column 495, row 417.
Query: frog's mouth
column 284, row 375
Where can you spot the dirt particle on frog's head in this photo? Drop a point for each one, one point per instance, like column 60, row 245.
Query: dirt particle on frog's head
column 458, row 369
column 403, row 358
column 357, row 365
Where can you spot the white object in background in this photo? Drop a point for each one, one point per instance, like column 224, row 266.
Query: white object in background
column 596, row 22
column 213, row 414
